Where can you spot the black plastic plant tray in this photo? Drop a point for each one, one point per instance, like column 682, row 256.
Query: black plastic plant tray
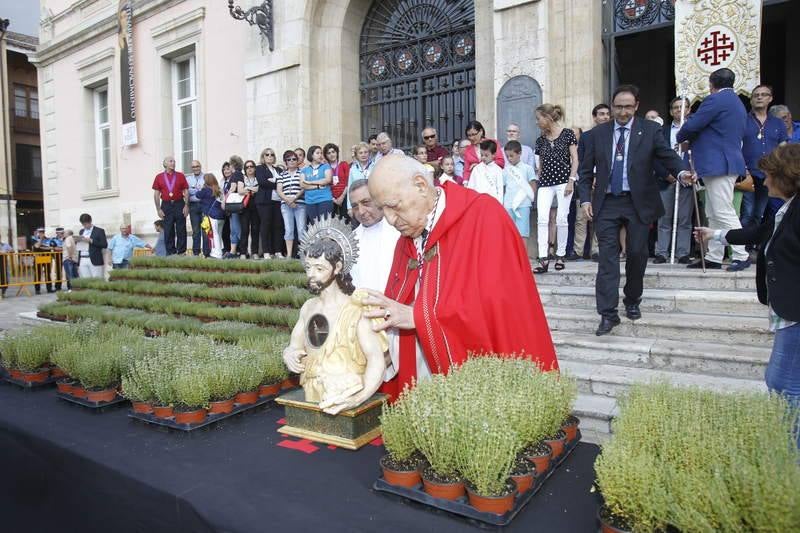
column 31, row 386
column 91, row 405
column 210, row 419
column 462, row 508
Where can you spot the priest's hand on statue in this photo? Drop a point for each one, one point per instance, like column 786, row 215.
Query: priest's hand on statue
column 395, row 314
column 292, row 356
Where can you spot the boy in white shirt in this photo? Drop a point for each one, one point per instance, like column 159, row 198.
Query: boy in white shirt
column 486, row 176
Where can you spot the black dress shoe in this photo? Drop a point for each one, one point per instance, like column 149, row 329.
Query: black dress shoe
column 684, row 260
column 710, row 265
column 633, row 312
column 573, row 257
column 606, row 325
column 659, row 260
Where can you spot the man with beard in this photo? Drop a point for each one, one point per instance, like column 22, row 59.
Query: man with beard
column 339, row 357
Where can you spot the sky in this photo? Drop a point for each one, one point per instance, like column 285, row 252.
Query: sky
column 23, row 14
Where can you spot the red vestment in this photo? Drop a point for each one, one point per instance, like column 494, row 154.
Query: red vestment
column 477, row 292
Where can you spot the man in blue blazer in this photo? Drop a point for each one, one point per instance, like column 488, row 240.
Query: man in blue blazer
column 715, row 132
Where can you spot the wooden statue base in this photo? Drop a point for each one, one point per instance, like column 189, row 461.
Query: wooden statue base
column 350, row 429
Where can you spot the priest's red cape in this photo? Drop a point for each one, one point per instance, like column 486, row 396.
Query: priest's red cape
column 477, row 292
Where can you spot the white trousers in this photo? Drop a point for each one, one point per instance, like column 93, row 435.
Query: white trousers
column 216, row 239
column 544, row 199
column 87, row 270
column 722, row 215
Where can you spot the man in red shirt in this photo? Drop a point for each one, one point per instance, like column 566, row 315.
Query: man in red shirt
column 435, row 150
column 171, row 198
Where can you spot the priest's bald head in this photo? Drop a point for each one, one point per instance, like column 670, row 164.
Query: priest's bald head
column 404, row 189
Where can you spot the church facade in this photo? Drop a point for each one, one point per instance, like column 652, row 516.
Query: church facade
column 207, row 85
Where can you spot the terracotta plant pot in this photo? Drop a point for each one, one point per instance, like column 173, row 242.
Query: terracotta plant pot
column 557, row 445
column 498, row 505
column 163, row 411
column 290, row 382
column 570, row 427
column 221, row 407
column 540, row 462
column 78, row 391
column 246, row 398
column 105, row 395
column 190, row 417
column 143, row 408
column 56, row 372
column 605, row 523
column 400, row 478
column 14, row 374
column 65, row 387
column 444, row 491
column 269, row 390
column 524, row 482
column 39, row 376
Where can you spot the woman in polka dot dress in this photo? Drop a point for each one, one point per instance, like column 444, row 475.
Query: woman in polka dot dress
column 556, row 173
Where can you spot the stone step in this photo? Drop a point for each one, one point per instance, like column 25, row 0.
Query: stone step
column 703, row 358
column 614, row 380
column 737, row 303
column 595, row 413
column 688, row 327
column 582, row 274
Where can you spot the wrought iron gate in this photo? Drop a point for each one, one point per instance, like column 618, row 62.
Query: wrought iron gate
column 417, row 69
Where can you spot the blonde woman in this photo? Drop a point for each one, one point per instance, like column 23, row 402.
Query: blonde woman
column 556, row 173
column 360, row 168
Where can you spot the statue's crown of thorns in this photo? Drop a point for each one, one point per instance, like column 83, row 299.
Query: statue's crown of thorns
column 337, row 230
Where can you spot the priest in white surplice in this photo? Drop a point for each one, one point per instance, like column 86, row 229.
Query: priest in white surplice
column 376, row 240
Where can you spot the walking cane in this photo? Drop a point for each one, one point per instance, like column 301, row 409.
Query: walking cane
column 701, row 242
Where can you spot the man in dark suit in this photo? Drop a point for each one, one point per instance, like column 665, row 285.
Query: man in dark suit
column 619, row 156
column 715, row 132
column 91, row 261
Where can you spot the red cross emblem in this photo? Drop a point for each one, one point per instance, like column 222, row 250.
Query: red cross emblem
column 716, row 48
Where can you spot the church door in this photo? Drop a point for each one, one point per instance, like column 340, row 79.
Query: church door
column 417, row 69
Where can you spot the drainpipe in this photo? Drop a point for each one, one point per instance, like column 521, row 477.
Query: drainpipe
column 3, row 28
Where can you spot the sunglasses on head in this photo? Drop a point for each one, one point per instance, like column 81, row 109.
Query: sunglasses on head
column 429, row 137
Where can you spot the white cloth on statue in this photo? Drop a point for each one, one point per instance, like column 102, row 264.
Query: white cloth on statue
column 376, row 246
column 487, row 179
column 423, row 371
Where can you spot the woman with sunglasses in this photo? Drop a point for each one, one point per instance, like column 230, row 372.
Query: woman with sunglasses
column 233, row 182
column 249, row 217
column 293, row 207
column 316, row 182
column 268, row 204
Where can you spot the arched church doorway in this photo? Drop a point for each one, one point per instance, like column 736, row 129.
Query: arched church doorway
column 417, row 69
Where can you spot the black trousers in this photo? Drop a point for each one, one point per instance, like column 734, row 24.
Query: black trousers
column 618, row 211
column 251, row 223
column 174, row 227
column 271, row 228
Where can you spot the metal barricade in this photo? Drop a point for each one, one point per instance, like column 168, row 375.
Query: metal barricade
column 31, row 269
column 140, row 252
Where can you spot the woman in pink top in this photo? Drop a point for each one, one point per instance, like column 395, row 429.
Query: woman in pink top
column 472, row 154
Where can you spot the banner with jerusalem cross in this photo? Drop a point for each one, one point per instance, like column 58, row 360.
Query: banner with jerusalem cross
column 714, row 34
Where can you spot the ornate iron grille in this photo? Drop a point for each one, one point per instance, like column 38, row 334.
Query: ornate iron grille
column 632, row 15
column 417, row 69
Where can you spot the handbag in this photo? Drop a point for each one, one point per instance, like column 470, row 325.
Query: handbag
column 246, row 201
column 234, row 203
column 746, row 184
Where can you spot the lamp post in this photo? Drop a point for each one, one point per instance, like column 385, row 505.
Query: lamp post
column 7, row 158
column 259, row 15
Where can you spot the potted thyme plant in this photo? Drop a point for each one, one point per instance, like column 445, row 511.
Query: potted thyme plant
column 400, row 465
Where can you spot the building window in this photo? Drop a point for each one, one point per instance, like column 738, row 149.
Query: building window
column 26, row 102
column 102, row 138
column 184, row 116
column 29, row 169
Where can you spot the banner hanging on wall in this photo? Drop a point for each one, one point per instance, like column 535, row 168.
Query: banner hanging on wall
column 125, row 44
column 714, row 34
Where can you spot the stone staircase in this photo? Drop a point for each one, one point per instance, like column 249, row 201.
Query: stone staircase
column 697, row 329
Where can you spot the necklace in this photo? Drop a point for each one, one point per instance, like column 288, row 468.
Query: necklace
column 427, row 231
column 761, row 127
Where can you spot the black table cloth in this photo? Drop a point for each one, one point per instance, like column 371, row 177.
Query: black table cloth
column 65, row 468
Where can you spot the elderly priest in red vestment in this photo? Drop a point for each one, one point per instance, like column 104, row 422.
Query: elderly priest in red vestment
column 460, row 281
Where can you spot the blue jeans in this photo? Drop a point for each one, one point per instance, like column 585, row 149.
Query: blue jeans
column 754, row 204
column 199, row 241
column 783, row 370
column 293, row 218
column 70, row 271
column 236, row 228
